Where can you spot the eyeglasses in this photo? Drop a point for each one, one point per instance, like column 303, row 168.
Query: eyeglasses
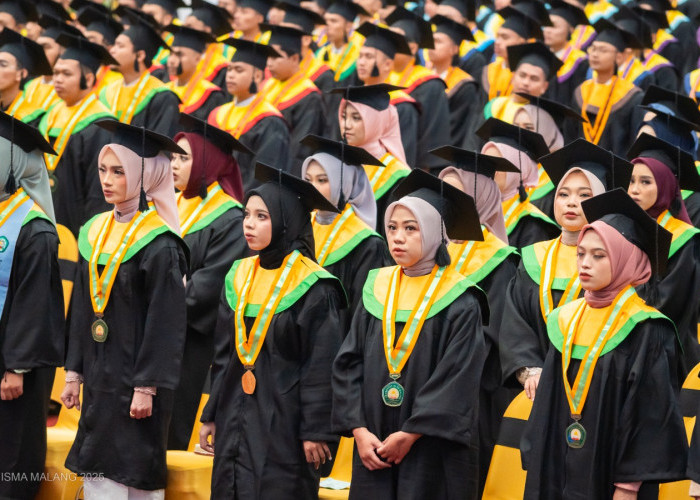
column 596, row 49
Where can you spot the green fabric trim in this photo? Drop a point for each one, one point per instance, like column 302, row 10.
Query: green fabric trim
column 82, row 124
column 139, row 107
column 395, row 177
column 347, row 72
column 678, row 243
column 208, row 219
column 534, row 269
column 376, row 309
column 33, row 115
column 686, row 194
column 85, row 247
column 537, row 214
column 36, row 214
column 488, row 112
column 349, row 246
column 542, row 191
column 556, row 336
column 495, row 260
column 285, row 303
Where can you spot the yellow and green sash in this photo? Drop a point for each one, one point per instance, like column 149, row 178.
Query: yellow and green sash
column 196, row 213
column 336, row 240
column 237, row 120
column 682, row 232
column 602, row 100
column 382, row 179
column 127, row 102
column 503, row 108
column 498, row 78
column 544, row 185
column 192, row 95
column 282, row 95
column 514, row 210
column 476, row 259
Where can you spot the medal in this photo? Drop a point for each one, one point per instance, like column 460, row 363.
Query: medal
column 575, row 433
column 248, row 381
column 100, row 330
column 53, row 182
column 393, row 392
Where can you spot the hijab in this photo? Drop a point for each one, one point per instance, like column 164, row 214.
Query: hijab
column 431, row 227
column 671, row 131
column 356, row 189
column 668, row 193
column 487, row 199
column 597, row 187
column 382, row 130
column 30, row 173
column 157, row 183
column 217, row 166
column 629, row 265
column 291, row 225
column 527, row 165
column 545, row 126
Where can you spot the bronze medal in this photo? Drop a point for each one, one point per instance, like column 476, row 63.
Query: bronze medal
column 53, row 182
column 100, row 330
column 248, row 381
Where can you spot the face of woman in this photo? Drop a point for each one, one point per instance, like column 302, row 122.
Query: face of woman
column 182, row 165
column 403, row 235
column 593, row 262
column 112, row 178
column 352, row 126
column 523, row 120
column 643, row 188
column 454, row 181
column 567, row 202
column 257, row 225
column 499, row 177
column 316, row 175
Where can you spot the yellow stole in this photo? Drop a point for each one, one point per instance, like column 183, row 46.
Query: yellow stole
column 237, row 120
column 193, row 94
column 476, row 264
column 498, row 75
column 382, row 178
column 126, row 102
column 505, row 108
column 455, row 76
column 105, row 76
column 600, row 99
column 40, row 95
column 334, row 241
column 285, row 94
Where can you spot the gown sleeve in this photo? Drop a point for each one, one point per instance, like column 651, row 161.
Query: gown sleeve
column 409, row 116
column 307, row 117
column 163, row 113
column 433, row 123
column 465, row 113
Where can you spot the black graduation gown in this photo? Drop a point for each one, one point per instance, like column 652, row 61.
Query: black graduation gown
column 667, row 77
column 692, row 205
column 530, row 230
column 146, row 319
column 673, row 51
column 466, row 107
column 473, row 62
column 692, row 410
column 409, row 117
column 267, row 138
column 213, row 250
column 685, row 34
column 78, row 195
column 304, row 117
column 561, row 91
column 447, row 360
column 216, row 98
column 160, row 115
column 632, row 419
column 433, row 122
column 30, row 341
column 258, row 451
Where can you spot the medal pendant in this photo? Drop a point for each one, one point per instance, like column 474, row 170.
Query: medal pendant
column 100, row 330
column 575, row 435
column 393, row 393
column 53, row 182
column 248, row 381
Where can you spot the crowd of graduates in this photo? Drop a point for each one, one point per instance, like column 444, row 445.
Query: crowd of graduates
column 358, row 220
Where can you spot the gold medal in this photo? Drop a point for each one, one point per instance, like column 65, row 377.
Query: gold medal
column 248, row 381
column 393, row 393
column 100, row 330
column 575, row 434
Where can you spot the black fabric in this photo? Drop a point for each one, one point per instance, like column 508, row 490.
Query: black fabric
column 433, row 123
column 409, row 117
column 530, row 230
column 307, row 116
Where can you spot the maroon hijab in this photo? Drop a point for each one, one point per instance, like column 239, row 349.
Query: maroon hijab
column 220, row 167
column 668, row 195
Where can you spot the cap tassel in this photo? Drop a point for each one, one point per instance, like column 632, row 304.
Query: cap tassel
column 11, row 184
column 179, row 69
column 136, row 65
column 521, row 188
column 326, row 56
column 83, row 81
column 442, row 256
column 143, row 201
column 203, row 178
column 375, row 71
column 253, row 89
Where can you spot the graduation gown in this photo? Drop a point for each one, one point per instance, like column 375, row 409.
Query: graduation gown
column 383, row 180
column 258, row 451
column 77, row 193
column 198, row 98
column 662, row 70
column 409, row 110
column 215, row 241
column 446, row 361
column 692, row 205
column 261, row 127
column 669, row 48
column 30, row 342
column 572, row 74
column 526, row 224
column 41, row 96
column 683, row 30
column 495, row 79
column 146, row 320
column 471, row 58
column 465, row 104
column 634, row 428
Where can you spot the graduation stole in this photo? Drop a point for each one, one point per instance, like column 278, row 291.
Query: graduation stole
column 582, row 36
column 476, row 259
column 455, row 76
column 503, row 108
column 40, row 94
column 514, row 210
column 212, row 62
column 632, row 71
column 572, row 59
column 662, row 39
column 499, row 76
column 681, row 231
column 22, row 109
column 675, row 18
column 193, row 94
column 411, row 77
column 382, row 179
column 343, row 64
column 693, row 84
column 336, row 240
column 161, row 57
column 197, row 213
column 125, row 103
column 544, row 185
column 548, row 273
column 311, row 67
column 12, row 214
column 105, row 76
column 239, row 119
column 603, row 102
column 653, row 62
column 285, row 94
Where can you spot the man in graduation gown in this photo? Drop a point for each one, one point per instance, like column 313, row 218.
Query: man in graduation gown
column 102, row 29
column 343, row 47
column 140, row 99
column 680, row 28
column 163, row 12
column 15, row 14
column 249, row 117
column 249, row 15
column 292, row 93
column 198, row 96
column 665, row 71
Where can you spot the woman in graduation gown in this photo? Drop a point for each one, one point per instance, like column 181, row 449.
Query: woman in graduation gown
column 546, row 277
column 277, row 333
column 606, row 420
column 410, row 410
column 31, row 325
column 658, row 166
column 211, row 222
column 127, row 321
column 346, row 244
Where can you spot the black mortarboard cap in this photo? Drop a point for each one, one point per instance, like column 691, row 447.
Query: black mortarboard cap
column 610, row 169
column 467, row 8
column 79, row 5
column 25, row 136
column 678, row 161
column 655, row 19
column 305, row 19
column 190, row 38
column 53, row 27
column 658, row 5
column 252, row 53
column 416, row 29
column 28, row 53
column 144, row 37
column 348, row 9
column 628, row 20
column 383, row 39
column 615, row 36
column 534, row 9
column 260, row 6
column 288, row 38
column 217, row 18
column 375, row 96
column 570, row 13
column 558, row 111
column 85, row 52
column 471, row 161
column 530, row 143
column 95, row 19
column 222, row 139
column 131, row 16
column 51, row 8
column 537, row 54
column 170, row 6
column 619, row 211
column 308, row 195
column 349, row 155
column 684, row 110
column 23, row 11
column 522, row 24
column 457, row 32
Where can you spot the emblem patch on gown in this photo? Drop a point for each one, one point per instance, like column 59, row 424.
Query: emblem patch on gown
column 393, row 393
column 3, row 244
column 100, row 330
column 575, row 435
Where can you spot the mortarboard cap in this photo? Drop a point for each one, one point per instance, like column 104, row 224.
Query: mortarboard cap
column 23, row 135
column 558, row 111
column 259, row 6
column 170, row 6
column 383, row 39
column 288, row 38
column 144, row 37
column 678, row 161
column 673, row 106
column 614, row 35
column 416, row 29
column 51, row 8
column 657, row 5
column 572, row 14
column 530, row 143
column 252, row 53
column 304, row 19
column 537, row 54
column 309, row 196
column 375, row 96
column 85, row 52
column 28, row 53
column 22, row 11
column 467, row 8
column 190, row 38
column 95, row 19
column 655, row 19
column 628, row 20
column 471, row 161
column 141, row 141
column 457, row 32
column 217, row 18
column 522, row 24
column 347, row 9
column 349, row 155
column 220, row 138
column 131, row 16
column 53, row 27
column 534, row 9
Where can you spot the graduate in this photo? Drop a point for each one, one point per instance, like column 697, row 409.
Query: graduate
column 198, row 96
column 410, row 408
column 163, row 11
column 15, row 14
column 70, row 127
column 661, row 170
column 249, row 117
column 368, row 120
column 292, row 92
column 525, row 224
column 140, row 99
column 127, row 324
column 249, row 15
column 342, row 50
column 546, row 277
column 31, row 345
column 347, row 245
column 277, row 333
column 490, row 264
column 606, row 422
column 679, row 28
column 101, row 28
column 211, row 221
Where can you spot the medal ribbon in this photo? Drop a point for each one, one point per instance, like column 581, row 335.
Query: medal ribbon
column 338, row 224
column 64, row 136
column 101, row 284
column 12, row 204
column 126, row 118
column 577, row 395
column 593, row 133
column 397, row 355
column 549, row 267
column 248, row 346
column 339, row 66
column 214, row 190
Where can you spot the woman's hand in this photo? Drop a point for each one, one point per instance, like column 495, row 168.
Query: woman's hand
column 207, row 429
column 12, row 386
column 531, row 385
column 396, row 446
column 317, row 452
column 367, row 444
column 71, row 395
column 141, row 405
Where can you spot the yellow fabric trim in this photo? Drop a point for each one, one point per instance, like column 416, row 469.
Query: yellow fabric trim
column 411, row 286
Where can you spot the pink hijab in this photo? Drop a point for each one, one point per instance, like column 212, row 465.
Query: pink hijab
column 157, row 182
column 382, row 130
column 546, row 126
column 629, row 264
column 668, row 191
column 520, row 160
